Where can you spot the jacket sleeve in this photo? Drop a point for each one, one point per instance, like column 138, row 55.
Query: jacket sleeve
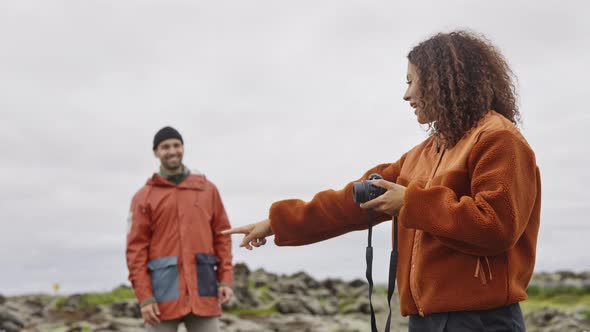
column 329, row 214
column 222, row 243
column 491, row 220
column 138, row 242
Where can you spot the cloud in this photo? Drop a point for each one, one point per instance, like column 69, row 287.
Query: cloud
column 274, row 101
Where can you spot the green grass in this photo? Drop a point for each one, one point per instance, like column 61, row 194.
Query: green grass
column 265, row 295
column 548, row 292
column 90, row 299
column 561, row 297
column 116, row 295
column 251, row 284
column 345, row 304
column 252, row 311
column 85, row 328
column 380, row 290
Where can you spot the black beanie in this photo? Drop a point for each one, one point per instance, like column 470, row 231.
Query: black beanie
column 164, row 134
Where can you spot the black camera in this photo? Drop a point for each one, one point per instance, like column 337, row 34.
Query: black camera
column 364, row 191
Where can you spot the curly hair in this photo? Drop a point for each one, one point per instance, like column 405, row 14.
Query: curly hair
column 462, row 77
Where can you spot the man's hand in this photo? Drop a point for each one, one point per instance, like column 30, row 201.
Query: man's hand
column 224, row 294
column 390, row 202
column 150, row 313
column 255, row 233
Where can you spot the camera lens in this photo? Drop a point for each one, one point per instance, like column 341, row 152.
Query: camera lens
column 364, row 191
column 360, row 191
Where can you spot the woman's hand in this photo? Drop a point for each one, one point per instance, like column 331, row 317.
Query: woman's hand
column 390, row 202
column 255, row 233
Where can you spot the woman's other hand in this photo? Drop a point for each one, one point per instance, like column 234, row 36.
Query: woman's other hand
column 390, row 202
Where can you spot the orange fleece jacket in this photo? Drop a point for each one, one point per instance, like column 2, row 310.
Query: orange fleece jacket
column 468, row 227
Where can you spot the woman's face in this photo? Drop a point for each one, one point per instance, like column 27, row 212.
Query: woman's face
column 413, row 95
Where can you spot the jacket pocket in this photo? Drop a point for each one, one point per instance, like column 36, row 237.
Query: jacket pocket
column 206, row 274
column 164, row 276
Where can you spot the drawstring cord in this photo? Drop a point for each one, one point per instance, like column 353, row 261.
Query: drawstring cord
column 479, row 267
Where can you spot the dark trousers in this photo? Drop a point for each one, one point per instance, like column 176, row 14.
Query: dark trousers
column 503, row 319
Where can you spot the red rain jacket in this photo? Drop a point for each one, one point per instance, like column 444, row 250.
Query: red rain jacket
column 175, row 252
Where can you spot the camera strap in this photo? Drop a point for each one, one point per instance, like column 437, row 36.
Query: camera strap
column 392, row 272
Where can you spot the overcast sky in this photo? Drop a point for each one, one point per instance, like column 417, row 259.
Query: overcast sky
column 275, row 99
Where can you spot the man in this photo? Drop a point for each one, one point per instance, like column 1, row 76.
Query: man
column 179, row 262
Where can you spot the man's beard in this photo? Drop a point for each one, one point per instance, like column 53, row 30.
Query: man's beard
column 172, row 167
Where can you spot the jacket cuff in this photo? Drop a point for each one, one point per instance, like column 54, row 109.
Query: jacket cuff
column 225, row 277
column 274, row 215
column 143, row 293
column 147, row 302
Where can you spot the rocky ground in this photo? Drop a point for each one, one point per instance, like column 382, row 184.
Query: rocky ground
column 268, row 302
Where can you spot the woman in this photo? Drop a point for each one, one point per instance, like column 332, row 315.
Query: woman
column 467, row 198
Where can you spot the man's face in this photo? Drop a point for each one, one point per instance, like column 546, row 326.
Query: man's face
column 170, row 153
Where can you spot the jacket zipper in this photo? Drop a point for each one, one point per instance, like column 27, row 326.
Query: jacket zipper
column 181, row 263
column 415, row 245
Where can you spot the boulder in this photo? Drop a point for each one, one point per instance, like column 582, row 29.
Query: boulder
column 307, row 280
column 7, row 317
column 357, row 283
column 231, row 323
column 244, row 297
column 241, row 272
column 295, row 286
column 9, row 327
column 361, row 305
column 554, row 320
column 291, row 305
column 126, row 309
